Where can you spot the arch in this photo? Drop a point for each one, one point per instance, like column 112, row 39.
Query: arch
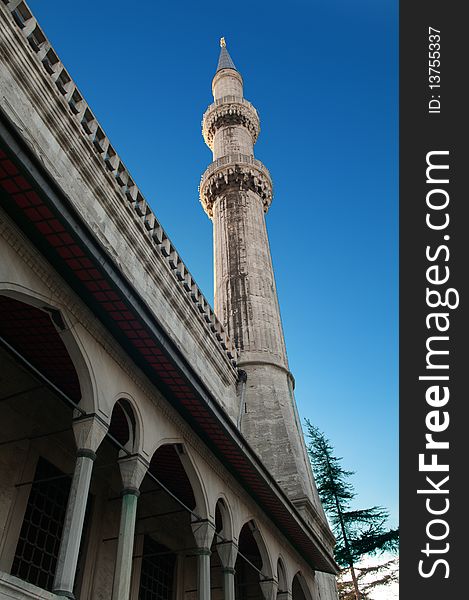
column 61, row 323
column 266, row 564
column 282, row 576
column 126, row 422
column 254, row 577
column 223, row 518
column 178, row 450
column 122, row 426
column 300, row 589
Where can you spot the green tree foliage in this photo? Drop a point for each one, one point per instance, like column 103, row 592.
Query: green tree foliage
column 358, row 532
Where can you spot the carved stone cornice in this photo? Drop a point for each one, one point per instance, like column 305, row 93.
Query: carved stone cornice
column 230, row 110
column 235, row 172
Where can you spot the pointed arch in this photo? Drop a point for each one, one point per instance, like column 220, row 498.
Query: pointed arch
column 300, row 589
column 249, row 530
column 59, row 324
column 125, row 425
column 282, row 576
column 223, row 518
column 185, row 482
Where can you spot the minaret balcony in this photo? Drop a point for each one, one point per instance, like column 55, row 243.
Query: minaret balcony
column 229, row 111
column 235, row 172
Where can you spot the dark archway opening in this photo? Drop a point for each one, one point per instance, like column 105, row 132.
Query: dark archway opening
column 216, row 567
column 122, row 428
column 32, row 333
column 39, row 388
column 248, row 566
column 297, row 589
column 164, row 533
column 281, row 577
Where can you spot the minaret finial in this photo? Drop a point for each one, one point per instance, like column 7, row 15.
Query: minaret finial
column 222, row 43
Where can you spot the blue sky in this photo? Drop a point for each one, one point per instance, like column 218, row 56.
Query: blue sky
column 323, row 76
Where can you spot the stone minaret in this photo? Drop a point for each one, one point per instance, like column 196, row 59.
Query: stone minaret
column 236, row 192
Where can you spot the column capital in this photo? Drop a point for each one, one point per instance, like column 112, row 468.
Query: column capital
column 228, row 552
column 89, row 431
column 133, row 469
column 284, row 595
column 203, row 531
column 269, row 588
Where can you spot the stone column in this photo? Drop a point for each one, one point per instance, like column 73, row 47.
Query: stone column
column 284, row 596
column 203, row 533
column 89, row 432
column 133, row 470
column 269, row 588
column 228, row 552
column 137, row 566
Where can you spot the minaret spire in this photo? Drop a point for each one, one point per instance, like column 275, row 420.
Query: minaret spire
column 224, row 60
column 236, row 192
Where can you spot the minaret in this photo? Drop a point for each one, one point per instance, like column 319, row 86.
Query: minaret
column 236, row 192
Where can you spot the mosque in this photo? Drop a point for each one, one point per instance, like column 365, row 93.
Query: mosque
column 150, row 445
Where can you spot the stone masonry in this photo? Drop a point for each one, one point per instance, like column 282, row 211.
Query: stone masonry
column 236, row 192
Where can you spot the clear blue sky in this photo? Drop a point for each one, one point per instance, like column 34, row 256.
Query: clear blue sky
column 323, row 76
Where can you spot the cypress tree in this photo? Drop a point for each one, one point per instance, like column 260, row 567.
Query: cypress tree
column 358, row 532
